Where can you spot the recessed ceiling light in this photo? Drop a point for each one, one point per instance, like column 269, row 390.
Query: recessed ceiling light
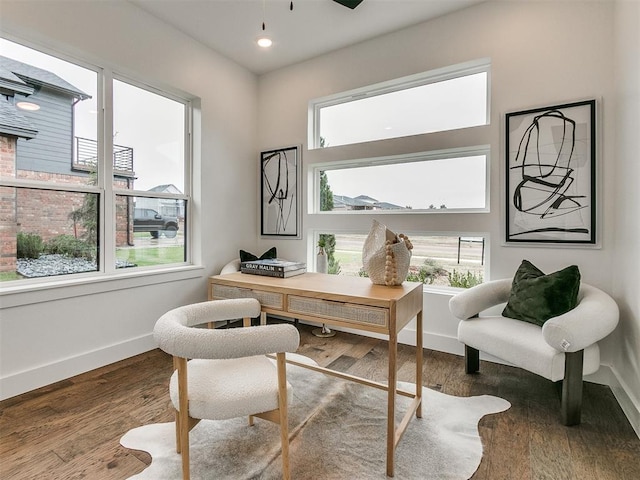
column 29, row 106
column 264, row 42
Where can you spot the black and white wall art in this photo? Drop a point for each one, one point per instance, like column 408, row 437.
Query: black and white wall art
column 280, row 171
column 551, row 174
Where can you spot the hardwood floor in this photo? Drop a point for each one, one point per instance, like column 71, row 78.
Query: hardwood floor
column 71, row 430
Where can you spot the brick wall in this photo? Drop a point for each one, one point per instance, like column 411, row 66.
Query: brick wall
column 7, row 156
column 46, row 212
column 124, row 219
column 55, row 207
column 7, row 206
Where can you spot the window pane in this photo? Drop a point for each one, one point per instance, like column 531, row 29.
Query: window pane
column 149, row 139
column 149, row 231
column 446, row 105
column 49, row 105
column 47, row 233
column 449, row 183
column 435, row 260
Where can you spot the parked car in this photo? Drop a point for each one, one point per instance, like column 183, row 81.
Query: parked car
column 149, row 220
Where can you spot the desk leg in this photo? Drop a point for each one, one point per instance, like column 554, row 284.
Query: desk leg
column 391, row 401
column 419, row 361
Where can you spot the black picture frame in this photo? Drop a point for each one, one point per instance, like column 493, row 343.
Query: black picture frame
column 280, row 193
column 551, row 174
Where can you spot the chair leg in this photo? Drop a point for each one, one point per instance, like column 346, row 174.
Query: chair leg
column 471, row 359
column 184, row 446
column 178, row 449
column 571, row 403
column 184, row 423
column 284, row 418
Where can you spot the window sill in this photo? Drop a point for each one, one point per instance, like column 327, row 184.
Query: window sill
column 442, row 290
column 17, row 295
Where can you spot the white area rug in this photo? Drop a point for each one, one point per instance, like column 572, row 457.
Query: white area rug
column 337, row 431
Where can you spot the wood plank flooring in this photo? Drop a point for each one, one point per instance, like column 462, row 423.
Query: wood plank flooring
column 71, row 430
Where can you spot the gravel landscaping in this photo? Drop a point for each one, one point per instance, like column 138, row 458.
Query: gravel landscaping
column 56, row 264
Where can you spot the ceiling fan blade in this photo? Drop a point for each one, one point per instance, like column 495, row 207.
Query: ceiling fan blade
column 349, row 3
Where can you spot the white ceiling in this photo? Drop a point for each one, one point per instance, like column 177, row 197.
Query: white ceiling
column 314, row 27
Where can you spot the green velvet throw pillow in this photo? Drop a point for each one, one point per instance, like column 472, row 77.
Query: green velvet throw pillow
column 536, row 297
column 249, row 257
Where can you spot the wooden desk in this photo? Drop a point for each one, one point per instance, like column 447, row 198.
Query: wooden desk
column 352, row 302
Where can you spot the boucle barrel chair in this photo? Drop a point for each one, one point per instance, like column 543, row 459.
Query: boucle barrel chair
column 564, row 348
column 232, row 266
column 224, row 373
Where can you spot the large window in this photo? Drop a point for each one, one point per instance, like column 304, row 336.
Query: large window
column 76, row 189
column 423, row 184
column 436, row 260
column 418, row 186
column 151, row 210
column 433, row 182
column 445, row 99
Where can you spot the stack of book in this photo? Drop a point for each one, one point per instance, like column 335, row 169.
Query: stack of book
column 273, row 268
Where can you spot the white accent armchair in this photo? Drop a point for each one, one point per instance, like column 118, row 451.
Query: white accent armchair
column 564, row 348
column 232, row 266
column 227, row 374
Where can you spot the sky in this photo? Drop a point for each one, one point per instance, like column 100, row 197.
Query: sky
column 456, row 183
column 444, row 105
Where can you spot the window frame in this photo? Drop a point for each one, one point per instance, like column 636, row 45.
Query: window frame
column 453, row 143
column 188, row 168
column 482, row 65
column 314, row 236
column 107, row 194
column 451, row 153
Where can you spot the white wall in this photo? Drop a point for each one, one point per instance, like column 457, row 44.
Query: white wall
column 49, row 335
column 626, row 363
column 542, row 53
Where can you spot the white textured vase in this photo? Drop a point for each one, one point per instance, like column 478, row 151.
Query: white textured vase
column 321, row 262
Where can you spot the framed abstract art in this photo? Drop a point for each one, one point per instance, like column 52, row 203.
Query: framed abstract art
column 551, row 175
column 280, row 172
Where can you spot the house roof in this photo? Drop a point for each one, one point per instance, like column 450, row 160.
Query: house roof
column 166, row 188
column 13, row 123
column 366, row 199
column 348, row 201
column 10, row 83
column 363, row 201
column 388, row 206
column 10, row 70
column 18, row 77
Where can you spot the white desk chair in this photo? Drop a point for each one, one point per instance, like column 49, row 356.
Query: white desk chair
column 208, row 385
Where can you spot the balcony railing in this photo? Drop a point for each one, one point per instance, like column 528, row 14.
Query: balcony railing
column 86, row 157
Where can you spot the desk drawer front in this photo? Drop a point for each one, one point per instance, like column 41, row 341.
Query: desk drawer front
column 266, row 299
column 346, row 312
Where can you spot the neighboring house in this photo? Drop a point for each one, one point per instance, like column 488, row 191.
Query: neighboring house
column 38, row 143
column 164, row 206
column 51, row 150
column 13, row 127
column 361, row 202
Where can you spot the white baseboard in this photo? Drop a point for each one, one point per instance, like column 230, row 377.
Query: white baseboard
column 34, row 378
column 630, row 405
